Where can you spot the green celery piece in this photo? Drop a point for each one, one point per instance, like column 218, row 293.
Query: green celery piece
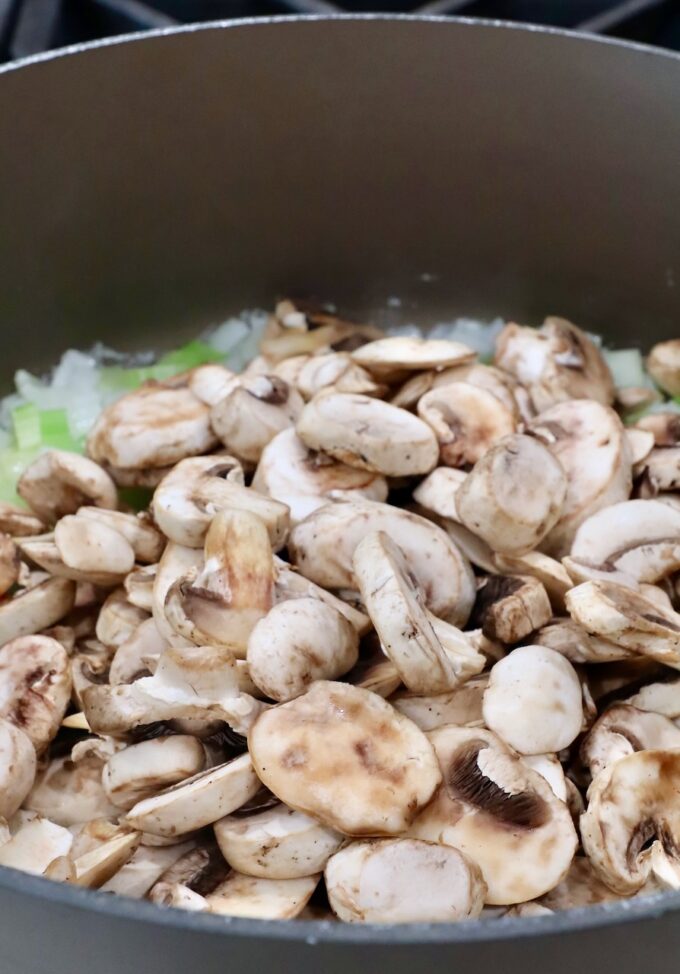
column 118, row 379
column 55, row 431
column 26, row 424
column 190, row 355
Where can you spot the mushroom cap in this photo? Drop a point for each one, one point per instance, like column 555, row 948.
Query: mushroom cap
column 264, row 899
column 35, row 686
column 211, row 382
column 552, row 575
column 504, row 501
column 632, row 806
column 438, row 492
column 663, row 364
column 301, row 478
column 425, row 662
column 139, row 584
column 510, row 607
column 624, row 729
column 36, row 608
column 297, row 642
column 460, row 706
column 346, row 757
column 94, row 547
column 389, row 356
column 277, row 843
column 17, row 767
column 322, row 547
column 139, row 531
column 143, row 769
column 369, row 434
column 252, row 412
column 467, row 421
column 533, row 701
column 323, row 370
column 403, row 881
column 498, row 812
column 58, row 483
column 154, row 426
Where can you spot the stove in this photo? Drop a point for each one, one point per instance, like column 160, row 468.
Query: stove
column 30, row 26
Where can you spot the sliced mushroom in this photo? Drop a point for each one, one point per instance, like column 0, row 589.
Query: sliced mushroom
column 138, row 530
column 377, row 674
column 510, row 607
column 298, row 328
column 198, row 872
column 580, row 572
column 277, row 843
column 178, row 896
column 660, row 698
column 550, row 573
column 641, row 444
column 154, row 426
column 143, row 769
column 17, row 522
column 431, row 656
column 332, row 369
column 90, row 663
column 571, row 640
column 462, row 706
column 297, row 642
column 143, row 869
column 627, row 619
column 622, row 730
column 663, row 364
column 35, row 844
column 388, row 357
column 322, row 547
column 32, row 609
column 504, row 501
column 133, row 657
column 212, row 382
column 589, row 441
column 664, row 426
column 555, row 362
column 533, row 701
column 580, row 887
column 529, row 911
column 301, row 478
column 17, row 767
column 403, row 881
column 176, row 562
column 93, row 547
column 344, row 756
column 35, row 686
column 69, row 791
column 10, row 563
column 439, row 490
column 44, row 552
column 139, row 585
column 467, row 421
column 289, row 584
column 118, row 620
column 197, row 801
column 549, row 767
column 264, row 899
column 58, row 483
column 660, row 470
column 632, row 806
column 220, row 605
column 500, row 383
column 188, row 498
column 499, row 813
column 253, row 412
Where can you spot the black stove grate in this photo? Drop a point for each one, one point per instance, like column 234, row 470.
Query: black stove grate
column 30, row 26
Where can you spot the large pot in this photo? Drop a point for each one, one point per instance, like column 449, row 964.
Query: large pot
column 150, row 186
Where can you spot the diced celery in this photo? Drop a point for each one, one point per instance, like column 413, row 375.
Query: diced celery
column 26, row 424
column 190, row 355
column 627, row 367
column 114, row 378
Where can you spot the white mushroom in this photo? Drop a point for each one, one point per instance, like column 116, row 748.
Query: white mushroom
column 322, row 547
column 467, row 421
column 571, row 640
column 264, row 899
column 290, row 584
column 580, row 572
column 641, row 444
column 369, row 434
column 301, row 478
column 35, row 844
column 589, row 442
column 17, row 522
column 143, row 769
column 58, row 483
column 144, row 868
column 439, row 490
column 17, row 767
column 550, row 573
column 660, row 470
column 632, row 806
column 176, row 562
column 277, row 843
column 197, row 801
column 32, row 609
column 139, row 585
column 498, row 812
column 35, row 686
column 660, row 698
column 504, row 501
column 118, row 619
column 299, row 328
column 313, row 373
column 253, row 412
column 623, row 729
column 154, row 426
column 138, row 530
column 344, row 756
column 212, row 382
column 133, row 657
column 297, row 642
column 461, row 706
column 580, row 887
column 91, row 547
column 556, row 362
column 403, row 881
column 510, row 607
column 69, row 790
column 431, row 656
column 549, row 767
column 10, row 563
column 188, row 498
column 663, row 364
column 533, row 701
column 388, row 357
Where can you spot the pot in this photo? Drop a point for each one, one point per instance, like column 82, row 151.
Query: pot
column 402, row 167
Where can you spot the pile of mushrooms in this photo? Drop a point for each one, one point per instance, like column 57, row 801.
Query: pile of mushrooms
column 396, row 639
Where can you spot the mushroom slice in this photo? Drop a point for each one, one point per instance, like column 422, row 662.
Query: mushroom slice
column 36, row 608
column 439, row 491
column 69, row 790
column 277, row 843
column 431, row 656
column 663, row 364
column 297, row 642
column 661, row 469
column 580, row 887
column 17, row 522
column 504, row 502
column 533, row 701
column 178, row 896
column 659, row 698
column 628, row 619
column 301, row 478
column 154, row 426
column 220, row 605
column 379, row 675
column 529, row 911
column 510, row 607
column 388, row 357
column 198, row 801
column 17, row 767
column 579, row 572
column 138, row 530
column 199, row 870
column 212, row 382
column 467, row 421
column 460, row 706
column 35, row 686
column 589, row 441
column 44, row 552
column 632, row 807
column 93, row 547
column 623, row 729
column 138, row 586
column 640, row 538
column 90, row 662
column 58, row 483
column 499, row 813
column 10, row 563
column 96, row 867
column 143, row 869
column 641, row 443
column 289, row 584
column 299, row 328
column 403, row 881
column 664, row 427
column 118, row 620
column 556, row 362
column 188, row 498
column 134, row 657
column 322, row 547
column 369, row 434
column 550, row 573
column 35, row 844
column 141, row 770
column 571, row 640
column 263, row 899
column 345, row 757
column 176, row 562
column 253, row 412
column 321, row 371
column 549, row 767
